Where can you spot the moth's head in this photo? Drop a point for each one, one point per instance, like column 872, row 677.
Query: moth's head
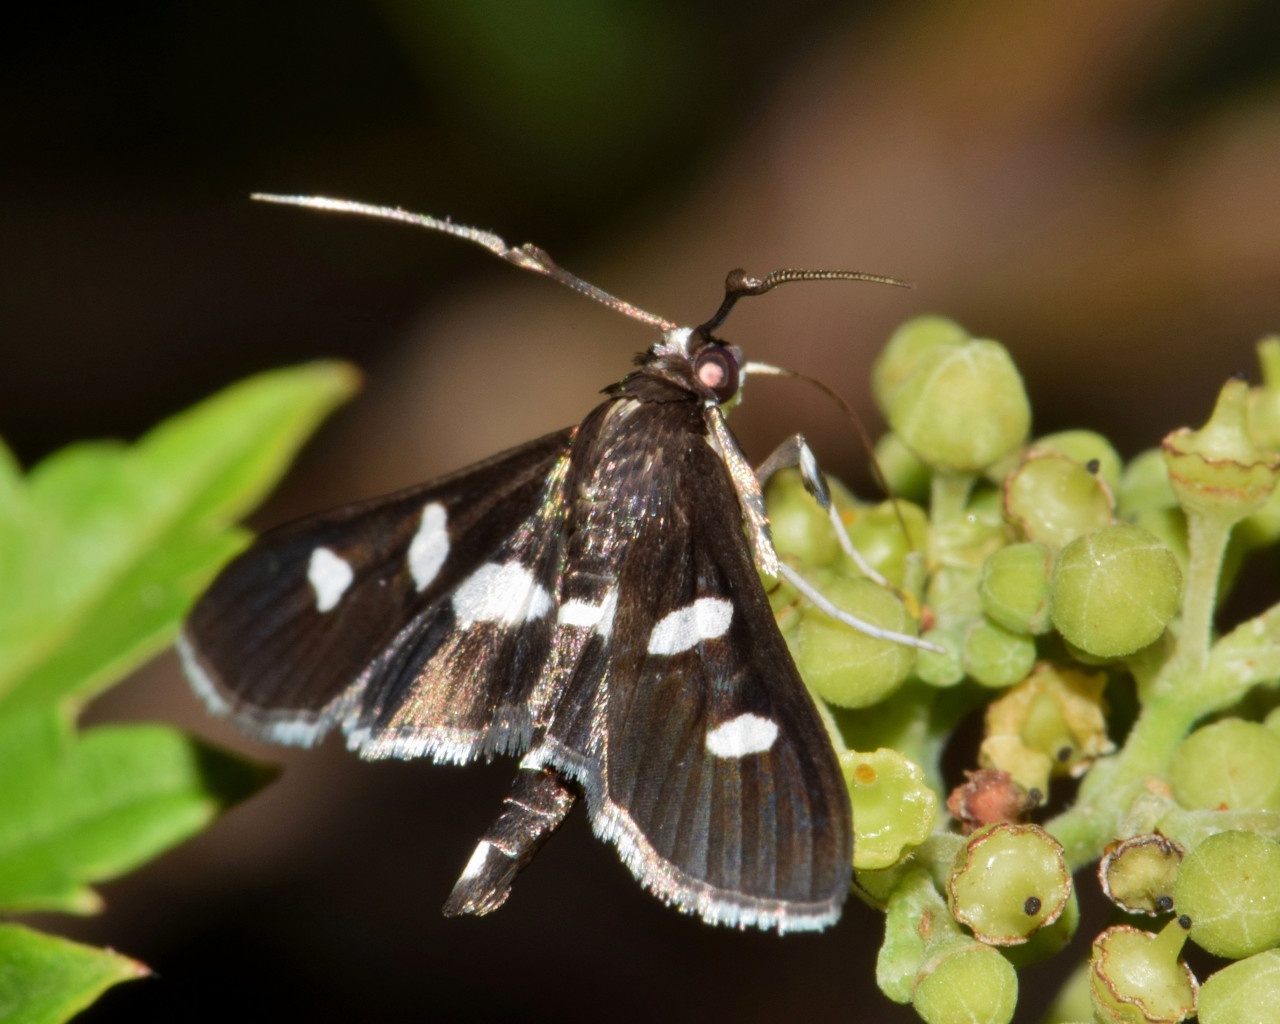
column 700, row 362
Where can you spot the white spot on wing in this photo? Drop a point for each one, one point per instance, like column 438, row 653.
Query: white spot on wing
column 476, row 863
column 741, row 736
column 430, row 546
column 684, row 628
column 593, row 616
column 505, row 593
column 329, row 576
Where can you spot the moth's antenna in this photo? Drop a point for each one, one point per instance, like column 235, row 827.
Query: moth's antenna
column 527, row 256
column 739, row 283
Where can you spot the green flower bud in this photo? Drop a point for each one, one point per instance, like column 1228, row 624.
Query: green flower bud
column 1114, row 590
column 903, row 352
column 1240, row 991
column 1169, row 526
column 1138, row 978
column 1228, row 765
column 1264, row 402
column 1053, row 723
column 942, row 669
column 799, row 525
column 1053, row 499
column 1218, row 471
column 1145, row 485
column 1227, row 886
column 996, row 473
column 876, row 532
column 1137, row 875
column 893, row 808
column 968, row 983
column 995, row 657
column 840, row 664
column 1085, row 447
column 1015, row 587
column 962, row 408
column 1007, row 882
column 906, row 475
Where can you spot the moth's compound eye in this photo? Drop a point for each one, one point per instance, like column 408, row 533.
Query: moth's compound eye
column 717, row 369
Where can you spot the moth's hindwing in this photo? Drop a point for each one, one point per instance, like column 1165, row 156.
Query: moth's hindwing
column 354, row 616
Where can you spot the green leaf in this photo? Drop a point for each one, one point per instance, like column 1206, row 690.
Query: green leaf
column 80, row 808
column 45, row 980
column 106, row 546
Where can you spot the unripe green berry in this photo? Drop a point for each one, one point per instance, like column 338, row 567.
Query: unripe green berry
column 995, row 657
column 1137, row 874
column 1169, row 526
column 1231, row 764
column 799, row 525
column 962, row 408
column 893, row 807
column 1015, row 587
column 1229, row 886
column 1218, row 471
column 876, row 533
column 904, row 350
column 1114, row 590
column 1242, row 991
column 971, row 984
column 1137, row 977
column 1053, row 499
column 840, row 664
column 906, row 476
column 1008, row 881
column 1144, row 485
column 1085, row 447
column 942, row 669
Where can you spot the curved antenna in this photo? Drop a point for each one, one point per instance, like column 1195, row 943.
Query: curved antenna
column 740, row 283
column 526, row 257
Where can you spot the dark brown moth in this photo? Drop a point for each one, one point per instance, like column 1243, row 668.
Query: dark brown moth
column 588, row 602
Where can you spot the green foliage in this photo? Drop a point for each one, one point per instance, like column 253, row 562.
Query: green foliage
column 46, row 979
column 1060, row 583
column 103, row 548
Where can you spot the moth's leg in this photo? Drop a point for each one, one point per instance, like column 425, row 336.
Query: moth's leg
column 537, row 804
column 795, row 452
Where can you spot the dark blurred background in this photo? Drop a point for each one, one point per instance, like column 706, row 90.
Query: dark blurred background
column 1095, row 184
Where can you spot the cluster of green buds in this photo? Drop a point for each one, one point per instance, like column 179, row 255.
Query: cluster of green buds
column 1071, row 599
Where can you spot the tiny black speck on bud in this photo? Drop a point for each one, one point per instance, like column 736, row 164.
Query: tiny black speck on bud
column 1093, row 465
column 1064, row 754
column 1184, row 923
column 1240, row 375
column 1164, row 904
column 1034, row 795
column 1032, row 907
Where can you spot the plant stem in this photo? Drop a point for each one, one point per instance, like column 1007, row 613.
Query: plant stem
column 1207, row 538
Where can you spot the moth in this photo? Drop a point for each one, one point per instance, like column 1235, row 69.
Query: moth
column 588, row 601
